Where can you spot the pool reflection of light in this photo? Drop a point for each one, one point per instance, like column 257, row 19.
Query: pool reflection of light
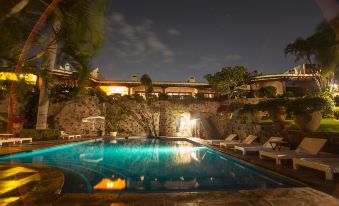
column 107, row 184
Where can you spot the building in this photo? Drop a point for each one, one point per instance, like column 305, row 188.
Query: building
column 133, row 86
column 294, row 80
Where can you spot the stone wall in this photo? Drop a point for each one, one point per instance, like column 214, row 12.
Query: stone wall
column 67, row 116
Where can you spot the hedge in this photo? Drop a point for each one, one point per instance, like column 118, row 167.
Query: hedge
column 40, row 135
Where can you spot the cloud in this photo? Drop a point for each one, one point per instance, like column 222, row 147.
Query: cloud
column 232, row 57
column 136, row 43
column 214, row 62
column 173, row 32
column 206, row 62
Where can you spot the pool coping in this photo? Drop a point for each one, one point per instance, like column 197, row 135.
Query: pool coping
column 195, row 198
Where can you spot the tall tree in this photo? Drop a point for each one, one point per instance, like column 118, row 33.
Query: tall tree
column 73, row 33
column 230, row 81
column 146, row 81
column 321, row 48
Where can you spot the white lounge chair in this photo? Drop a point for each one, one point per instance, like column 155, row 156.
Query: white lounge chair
column 6, row 141
column 256, row 147
column 248, row 140
column 327, row 165
column 22, row 139
column 64, row 135
column 229, row 138
column 309, row 147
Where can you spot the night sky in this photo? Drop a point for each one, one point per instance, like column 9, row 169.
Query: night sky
column 172, row 39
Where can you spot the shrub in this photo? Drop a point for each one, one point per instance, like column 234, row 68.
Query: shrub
column 40, row 135
column 273, row 105
column 336, row 100
column 62, row 92
column 250, row 108
column 199, row 96
column 308, row 105
column 163, row 96
column 336, row 114
column 269, row 92
column 235, row 106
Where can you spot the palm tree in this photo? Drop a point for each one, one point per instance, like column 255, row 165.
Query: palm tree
column 146, row 81
column 75, row 26
column 320, row 48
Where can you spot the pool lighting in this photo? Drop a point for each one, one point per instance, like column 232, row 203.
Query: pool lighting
column 108, row 184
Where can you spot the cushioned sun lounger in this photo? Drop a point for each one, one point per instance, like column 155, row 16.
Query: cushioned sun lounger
column 256, row 147
column 309, row 147
column 327, row 165
column 6, row 141
column 22, row 139
column 248, row 140
column 229, row 138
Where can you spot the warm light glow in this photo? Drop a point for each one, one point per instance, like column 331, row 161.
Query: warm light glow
column 107, row 184
column 30, row 78
column 110, row 90
column 185, row 125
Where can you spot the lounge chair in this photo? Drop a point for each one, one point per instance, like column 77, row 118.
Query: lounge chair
column 327, row 165
column 22, row 139
column 248, row 140
column 6, row 141
column 64, row 135
column 256, row 147
column 229, row 138
column 309, row 147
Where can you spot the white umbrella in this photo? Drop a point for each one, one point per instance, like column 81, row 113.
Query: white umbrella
column 93, row 119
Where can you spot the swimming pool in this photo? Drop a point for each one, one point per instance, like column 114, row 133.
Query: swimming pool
column 148, row 165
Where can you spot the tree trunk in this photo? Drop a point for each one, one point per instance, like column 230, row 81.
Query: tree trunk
column 43, row 106
column 22, row 57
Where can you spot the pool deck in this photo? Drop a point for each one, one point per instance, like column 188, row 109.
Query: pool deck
column 29, row 184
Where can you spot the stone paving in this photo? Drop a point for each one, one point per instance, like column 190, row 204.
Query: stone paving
column 29, row 184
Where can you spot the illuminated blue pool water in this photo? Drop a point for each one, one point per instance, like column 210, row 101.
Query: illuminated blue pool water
column 148, row 165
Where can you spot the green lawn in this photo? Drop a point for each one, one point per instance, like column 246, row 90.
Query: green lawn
column 327, row 125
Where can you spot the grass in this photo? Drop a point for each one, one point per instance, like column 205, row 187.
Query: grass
column 326, row 125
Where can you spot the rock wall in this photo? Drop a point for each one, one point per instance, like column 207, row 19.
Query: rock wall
column 67, row 116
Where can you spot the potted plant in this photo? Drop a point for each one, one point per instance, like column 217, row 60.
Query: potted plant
column 276, row 108
column 307, row 112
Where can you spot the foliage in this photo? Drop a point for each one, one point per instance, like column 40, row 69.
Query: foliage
column 250, row 108
column 273, row 104
column 114, row 115
column 163, row 96
column 94, row 91
column 235, row 106
column 199, row 96
column 146, row 81
column 336, row 100
column 40, row 135
column 4, row 89
column 63, row 92
column 137, row 98
column 230, row 81
column 320, row 48
column 269, row 92
column 307, row 105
